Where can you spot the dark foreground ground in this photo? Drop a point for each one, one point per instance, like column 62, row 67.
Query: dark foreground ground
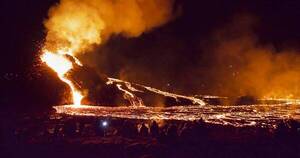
column 51, row 135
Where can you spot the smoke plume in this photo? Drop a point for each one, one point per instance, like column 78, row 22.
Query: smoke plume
column 243, row 65
column 234, row 61
column 78, row 25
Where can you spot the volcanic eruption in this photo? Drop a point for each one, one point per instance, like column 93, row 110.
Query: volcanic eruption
column 75, row 27
column 150, row 78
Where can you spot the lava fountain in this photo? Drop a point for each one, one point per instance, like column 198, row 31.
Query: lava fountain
column 62, row 65
column 74, row 27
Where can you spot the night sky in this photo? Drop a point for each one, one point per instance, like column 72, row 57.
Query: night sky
column 165, row 54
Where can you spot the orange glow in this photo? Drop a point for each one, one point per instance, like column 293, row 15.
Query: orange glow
column 61, row 65
column 75, row 27
column 260, row 115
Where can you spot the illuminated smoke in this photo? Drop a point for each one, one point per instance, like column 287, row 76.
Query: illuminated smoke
column 80, row 24
column 75, row 26
column 245, row 66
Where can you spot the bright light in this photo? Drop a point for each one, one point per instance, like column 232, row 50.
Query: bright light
column 104, row 123
column 62, row 65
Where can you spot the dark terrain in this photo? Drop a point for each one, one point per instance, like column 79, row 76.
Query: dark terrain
column 53, row 135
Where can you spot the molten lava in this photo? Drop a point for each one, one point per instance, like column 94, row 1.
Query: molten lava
column 62, row 65
column 260, row 115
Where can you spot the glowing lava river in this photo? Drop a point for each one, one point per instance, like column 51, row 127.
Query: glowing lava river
column 265, row 113
column 262, row 115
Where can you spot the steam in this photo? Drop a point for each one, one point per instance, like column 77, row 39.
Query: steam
column 78, row 25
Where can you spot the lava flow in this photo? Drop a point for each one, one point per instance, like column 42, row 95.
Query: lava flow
column 62, row 65
column 260, row 115
column 74, row 28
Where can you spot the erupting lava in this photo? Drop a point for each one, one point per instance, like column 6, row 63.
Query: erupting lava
column 75, row 27
column 61, row 65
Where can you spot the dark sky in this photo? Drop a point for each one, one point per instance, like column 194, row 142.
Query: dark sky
column 27, row 84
